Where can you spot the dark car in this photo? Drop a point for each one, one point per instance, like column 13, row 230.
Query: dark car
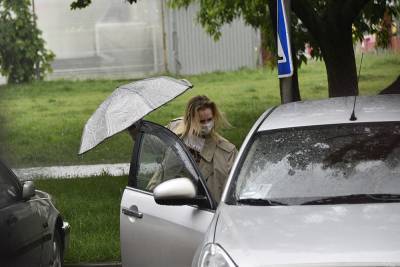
column 32, row 231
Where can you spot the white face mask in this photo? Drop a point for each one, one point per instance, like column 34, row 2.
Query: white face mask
column 206, row 128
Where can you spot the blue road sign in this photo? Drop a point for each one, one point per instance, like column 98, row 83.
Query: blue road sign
column 285, row 64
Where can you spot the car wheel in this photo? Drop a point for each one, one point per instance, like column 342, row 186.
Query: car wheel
column 57, row 253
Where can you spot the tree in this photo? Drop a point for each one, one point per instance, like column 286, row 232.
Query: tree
column 329, row 26
column 334, row 25
column 22, row 52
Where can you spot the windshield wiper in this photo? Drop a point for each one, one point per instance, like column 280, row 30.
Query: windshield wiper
column 355, row 199
column 260, row 202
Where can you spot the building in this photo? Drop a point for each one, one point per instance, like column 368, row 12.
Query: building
column 114, row 39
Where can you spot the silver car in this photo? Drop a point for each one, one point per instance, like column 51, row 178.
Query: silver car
column 310, row 187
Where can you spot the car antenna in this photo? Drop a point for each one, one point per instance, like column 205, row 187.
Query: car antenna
column 353, row 115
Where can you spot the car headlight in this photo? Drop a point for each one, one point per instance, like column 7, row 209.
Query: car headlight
column 213, row 255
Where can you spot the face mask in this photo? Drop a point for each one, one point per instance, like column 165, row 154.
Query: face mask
column 206, row 128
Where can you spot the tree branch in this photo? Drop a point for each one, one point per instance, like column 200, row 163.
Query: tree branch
column 351, row 9
column 272, row 7
column 79, row 4
column 304, row 10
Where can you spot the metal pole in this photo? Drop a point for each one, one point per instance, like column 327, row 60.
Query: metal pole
column 37, row 70
column 175, row 45
column 286, row 83
column 164, row 36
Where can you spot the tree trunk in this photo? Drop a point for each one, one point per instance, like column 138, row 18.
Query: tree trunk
column 338, row 54
column 295, row 78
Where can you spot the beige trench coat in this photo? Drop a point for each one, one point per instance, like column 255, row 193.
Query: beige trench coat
column 217, row 157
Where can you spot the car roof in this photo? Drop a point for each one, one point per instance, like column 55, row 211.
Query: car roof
column 333, row 111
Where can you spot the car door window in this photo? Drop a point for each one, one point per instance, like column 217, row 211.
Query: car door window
column 161, row 159
column 9, row 191
column 160, row 155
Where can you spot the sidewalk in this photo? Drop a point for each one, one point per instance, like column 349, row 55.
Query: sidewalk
column 81, row 171
column 63, row 172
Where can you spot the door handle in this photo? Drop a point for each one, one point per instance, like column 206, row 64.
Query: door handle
column 132, row 211
column 12, row 220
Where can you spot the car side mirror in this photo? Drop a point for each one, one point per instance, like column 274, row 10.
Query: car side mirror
column 28, row 190
column 178, row 191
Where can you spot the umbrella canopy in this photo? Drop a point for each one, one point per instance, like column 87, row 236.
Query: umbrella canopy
column 128, row 104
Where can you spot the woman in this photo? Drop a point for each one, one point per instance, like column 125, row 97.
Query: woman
column 213, row 153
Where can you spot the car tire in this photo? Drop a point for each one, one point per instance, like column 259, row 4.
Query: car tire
column 57, row 257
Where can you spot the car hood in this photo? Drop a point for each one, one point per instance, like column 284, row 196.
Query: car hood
column 318, row 235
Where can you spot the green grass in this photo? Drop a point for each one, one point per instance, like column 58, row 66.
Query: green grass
column 91, row 206
column 44, row 120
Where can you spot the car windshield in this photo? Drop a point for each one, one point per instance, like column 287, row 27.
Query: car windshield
column 348, row 163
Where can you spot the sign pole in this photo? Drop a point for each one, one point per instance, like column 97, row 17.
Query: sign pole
column 285, row 64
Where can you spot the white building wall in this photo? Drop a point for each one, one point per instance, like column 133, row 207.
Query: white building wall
column 108, row 38
column 113, row 39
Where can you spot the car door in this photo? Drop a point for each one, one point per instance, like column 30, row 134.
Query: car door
column 20, row 229
column 153, row 234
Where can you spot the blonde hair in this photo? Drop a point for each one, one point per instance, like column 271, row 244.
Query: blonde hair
column 191, row 120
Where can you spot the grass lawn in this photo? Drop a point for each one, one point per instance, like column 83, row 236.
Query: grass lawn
column 91, row 206
column 44, row 120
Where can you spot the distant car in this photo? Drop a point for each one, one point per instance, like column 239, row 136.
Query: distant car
column 310, row 187
column 32, row 231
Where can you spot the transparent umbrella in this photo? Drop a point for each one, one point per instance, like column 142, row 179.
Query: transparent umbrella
column 128, row 104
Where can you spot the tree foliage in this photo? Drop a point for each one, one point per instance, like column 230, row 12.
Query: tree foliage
column 329, row 26
column 376, row 18
column 78, row 4
column 22, row 50
column 213, row 14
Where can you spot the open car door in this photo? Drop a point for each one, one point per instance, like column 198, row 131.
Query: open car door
column 153, row 234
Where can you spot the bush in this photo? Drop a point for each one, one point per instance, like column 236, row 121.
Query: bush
column 22, row 52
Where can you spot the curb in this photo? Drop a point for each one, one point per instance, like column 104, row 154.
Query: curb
column 108, row 264
column 72, row 171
